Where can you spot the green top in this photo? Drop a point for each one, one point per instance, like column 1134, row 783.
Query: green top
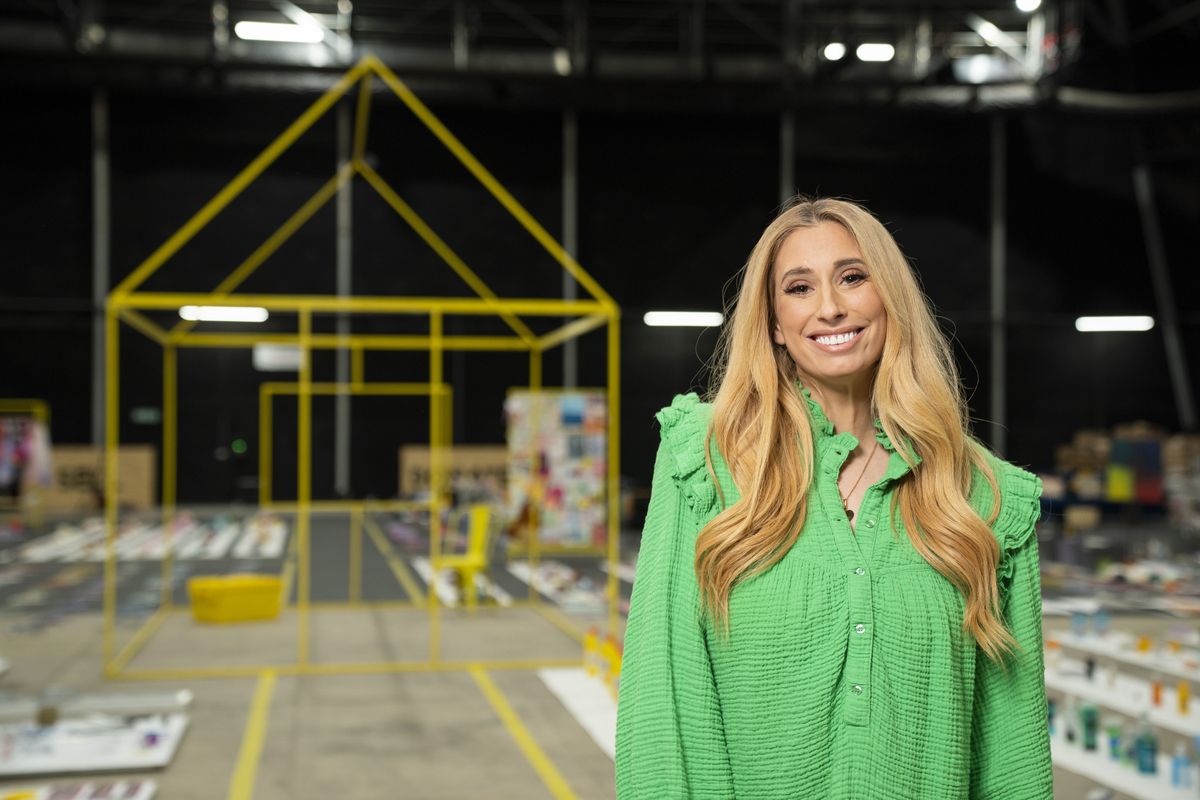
column 847, row 673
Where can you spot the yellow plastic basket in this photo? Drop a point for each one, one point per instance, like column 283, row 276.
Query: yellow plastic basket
column 235, row 598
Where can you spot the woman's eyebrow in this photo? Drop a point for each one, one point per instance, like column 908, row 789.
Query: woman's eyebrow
column 841, row 262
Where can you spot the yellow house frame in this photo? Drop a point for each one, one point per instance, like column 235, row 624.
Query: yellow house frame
column 127, row 304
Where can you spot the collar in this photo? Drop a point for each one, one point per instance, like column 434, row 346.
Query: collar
column 824, row 432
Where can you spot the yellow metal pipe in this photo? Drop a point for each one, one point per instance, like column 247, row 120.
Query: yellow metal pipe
column 304, row 483
column 571, row 330
column 489, row 182
column 111, row 442
column 356, row 365
column 320, row 303
column 170, row 462
column 536, row 493
column 273, row 242
column 614, row 474
column 140, row 637
column 332, row 341
column 435, row 486
column 328, row 387
column 243, row 179
column 343, row 506
column 265, row 446
column 141, row 324
column 439, row 246
column 362, row 117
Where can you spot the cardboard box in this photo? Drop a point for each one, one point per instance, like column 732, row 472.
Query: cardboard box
column 78, row 479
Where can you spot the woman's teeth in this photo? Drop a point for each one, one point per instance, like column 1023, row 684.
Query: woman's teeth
column 841, row 338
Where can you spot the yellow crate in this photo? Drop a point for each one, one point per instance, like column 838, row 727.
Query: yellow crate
column 235, row 598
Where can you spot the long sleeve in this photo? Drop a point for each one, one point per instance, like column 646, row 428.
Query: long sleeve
column 1010, row 749
column 670, row 734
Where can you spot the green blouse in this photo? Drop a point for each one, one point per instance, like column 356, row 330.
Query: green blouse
column 847, row 673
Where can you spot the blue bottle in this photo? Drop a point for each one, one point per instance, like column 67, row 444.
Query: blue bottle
column 1181, row 768
column 1146, row 748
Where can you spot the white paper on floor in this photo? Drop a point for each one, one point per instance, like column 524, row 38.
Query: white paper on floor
column 589, row 701
column 448, row 593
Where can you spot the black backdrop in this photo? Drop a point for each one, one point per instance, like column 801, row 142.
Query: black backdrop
column 670, row 205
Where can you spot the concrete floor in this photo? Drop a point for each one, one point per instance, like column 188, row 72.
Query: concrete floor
column 413, row 734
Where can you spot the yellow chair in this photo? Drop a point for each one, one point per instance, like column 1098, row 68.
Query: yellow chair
column 475, row 559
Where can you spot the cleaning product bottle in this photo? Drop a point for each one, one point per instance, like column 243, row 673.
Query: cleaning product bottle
column 1156, row 690
column 1069, row 720
column 1050, row 706
column 1183, row 693
column 1089, row 717
column 1146, row 747
column 1115, row 732
column 1181, row 767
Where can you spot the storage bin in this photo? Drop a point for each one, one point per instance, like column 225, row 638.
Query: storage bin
column 235, row 598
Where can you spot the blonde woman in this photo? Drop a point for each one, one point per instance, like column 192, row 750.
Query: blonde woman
column 837, row 594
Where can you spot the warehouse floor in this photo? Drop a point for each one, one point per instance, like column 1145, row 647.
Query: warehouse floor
column 485, row 731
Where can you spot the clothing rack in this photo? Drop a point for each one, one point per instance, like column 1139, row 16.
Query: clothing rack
column 29, row 461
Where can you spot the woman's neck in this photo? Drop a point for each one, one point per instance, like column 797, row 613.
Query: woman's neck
column 848, row 407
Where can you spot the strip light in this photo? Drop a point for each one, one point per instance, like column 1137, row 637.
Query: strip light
column 875, row 51
column 683, row 319
column 1097, row 324
column 223, row 313
column 277, row 32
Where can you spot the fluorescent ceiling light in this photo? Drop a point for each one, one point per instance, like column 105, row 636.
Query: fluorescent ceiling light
column 1029, row 5
column 1093, row 324
column 223, row 313
column 276, row 357
column 679, row 319
column 875, row 51
column 989, row 32
column 278, row 32
column 834, row 51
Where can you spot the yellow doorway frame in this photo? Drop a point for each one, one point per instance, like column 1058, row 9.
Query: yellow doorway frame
column 130, row 305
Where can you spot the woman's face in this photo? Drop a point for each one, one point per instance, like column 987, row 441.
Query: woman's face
column 828, row 313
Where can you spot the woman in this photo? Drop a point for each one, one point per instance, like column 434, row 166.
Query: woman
column 838, row 592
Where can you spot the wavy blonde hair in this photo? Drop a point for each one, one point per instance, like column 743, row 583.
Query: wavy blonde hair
column 759, row 417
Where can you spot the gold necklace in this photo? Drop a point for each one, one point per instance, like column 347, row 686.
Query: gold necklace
column 846, row 497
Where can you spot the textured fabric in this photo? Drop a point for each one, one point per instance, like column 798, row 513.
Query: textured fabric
column 847, row 673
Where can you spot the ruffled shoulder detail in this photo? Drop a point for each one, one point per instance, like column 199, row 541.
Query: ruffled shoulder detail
column 684, row 426
column 1020, row 510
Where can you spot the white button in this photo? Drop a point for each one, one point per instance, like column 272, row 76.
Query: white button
column 856, row 689
column 860, row 571
column 870, row 523
column 860, row 628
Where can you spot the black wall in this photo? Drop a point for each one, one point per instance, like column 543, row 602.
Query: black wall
column 670, row 205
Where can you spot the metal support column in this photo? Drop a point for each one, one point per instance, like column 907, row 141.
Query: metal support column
column 345, row 263
column 1160, row 275
column 999, row 254
column 570, row 235
column 787, row 155
column 100, row 254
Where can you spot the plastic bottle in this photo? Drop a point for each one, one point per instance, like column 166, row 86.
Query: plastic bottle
column 1050, row 707
column 591, row 652
column 1181, row 768
column 1115, row 732
column 1101, row 622
column 1089, row 718
column 1069, row 721
column 1156, row 690
column 1146, row 748
column 1183, row 693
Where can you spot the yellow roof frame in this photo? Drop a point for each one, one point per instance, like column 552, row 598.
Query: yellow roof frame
column 129, row 301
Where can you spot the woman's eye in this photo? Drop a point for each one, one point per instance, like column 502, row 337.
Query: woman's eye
column 857, row 277
column 798, row 288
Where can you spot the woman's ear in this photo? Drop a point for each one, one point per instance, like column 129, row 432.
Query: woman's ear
column 777, row 335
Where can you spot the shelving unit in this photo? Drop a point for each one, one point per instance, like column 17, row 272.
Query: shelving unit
column 1100, row 768
column 1119, row 648
column 1130, row 696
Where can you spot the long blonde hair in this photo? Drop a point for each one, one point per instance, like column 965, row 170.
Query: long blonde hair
column 761, row 427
